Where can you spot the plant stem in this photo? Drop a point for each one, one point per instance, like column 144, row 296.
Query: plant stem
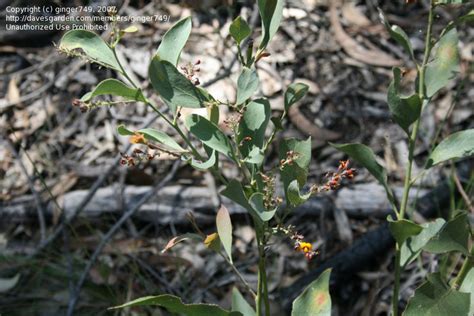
column 396, row 286
column 262, row 288
column 122, row 70
column 466, row 267
column 411, row 148
column 265, row 285
column 258, row 299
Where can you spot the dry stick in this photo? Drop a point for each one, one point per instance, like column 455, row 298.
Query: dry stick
column 95, row 187
column 462, row 192
column 73, row 300
column 39, row 203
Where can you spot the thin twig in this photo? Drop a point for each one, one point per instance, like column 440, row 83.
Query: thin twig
column 463, row 193
column 73, row 299
column 31, row 183
column 95, row 187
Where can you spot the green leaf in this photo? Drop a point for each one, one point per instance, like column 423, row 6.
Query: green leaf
column 256, row 201
column 247, row 84
column 153, row 135
column 398, row 34
column 174, row 305
column 239, row 29
column 114, row 87
column 7, row 284
column 253, row 125
column 467, row 18
column 235, row 192
column 174, row 40
column 315, row 299
column 405, row 110
column 413, row 245
column 254, row 205
column 366, row 157
column 403, row 229
column 454, row 236
column 445, row 64
column 255, row 156
column 436, row 298
column 295, row 92
column 294, row 195
column 467, row 286
column 277, row 123
column 456, row 145
column 205, row 164
column 298, row 170
column 270, row 13
column 224, row 229
column 209, row 134
column 173, row 87
column 92, row 45
column 239, row 304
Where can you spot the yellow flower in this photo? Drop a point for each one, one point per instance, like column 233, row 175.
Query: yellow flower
column 137, row 138
column 305, row 247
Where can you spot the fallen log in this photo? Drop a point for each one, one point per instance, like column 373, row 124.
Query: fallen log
column 171, row 204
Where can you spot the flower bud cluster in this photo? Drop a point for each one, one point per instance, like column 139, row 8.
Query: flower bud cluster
column 291, row 156
column 269, row 201
column 191, row 70
column 335, row 178
column 137, row 156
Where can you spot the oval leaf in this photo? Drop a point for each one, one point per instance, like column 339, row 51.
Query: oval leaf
column 294, row 93
column 253, row 125
column 174, row 305
column 270, row 13
column 235, row 192
column 224, row 229
column 445, row 64
column 436, row 298
column 413, row 245
column 405, row 110
column 209, row 134
column 239, row 29
column 453, row 236
column 403, row 229
column 456, row 145
column 247, row 84
column 174, row 40
column 153, row 135
column 398, row 34
column 298, row 169
column 173, row 87
column 114, row 87
column 92, row 45
column 256, row 201
column 294, row 195
column 315, row 299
